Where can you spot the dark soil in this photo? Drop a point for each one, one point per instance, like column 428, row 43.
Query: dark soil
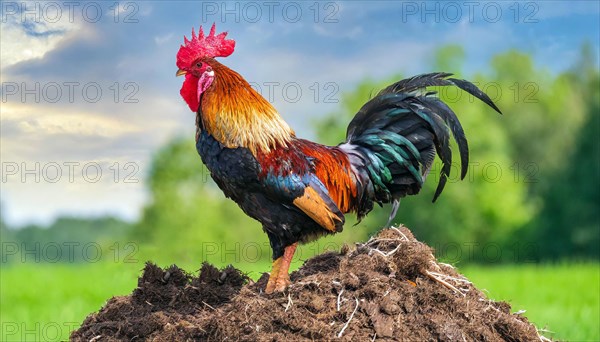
column 383, row 289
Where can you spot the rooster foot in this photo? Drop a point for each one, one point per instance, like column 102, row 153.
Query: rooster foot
column 279, row 279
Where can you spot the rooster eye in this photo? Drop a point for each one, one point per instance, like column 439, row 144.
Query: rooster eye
column 199, row 65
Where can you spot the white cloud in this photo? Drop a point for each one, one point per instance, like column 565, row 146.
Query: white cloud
column 27, row 39
column 58, row 121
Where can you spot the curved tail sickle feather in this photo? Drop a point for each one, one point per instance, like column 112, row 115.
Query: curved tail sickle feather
column 393, row 139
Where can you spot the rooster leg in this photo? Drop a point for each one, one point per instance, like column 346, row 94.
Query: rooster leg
column 279, row 278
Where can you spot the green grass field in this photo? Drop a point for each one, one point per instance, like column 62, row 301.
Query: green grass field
column 563, row 299
column 45, row 302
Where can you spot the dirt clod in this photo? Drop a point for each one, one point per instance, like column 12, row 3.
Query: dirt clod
column 390, row 288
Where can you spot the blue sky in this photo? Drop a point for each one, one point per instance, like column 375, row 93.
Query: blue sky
column 89, row 92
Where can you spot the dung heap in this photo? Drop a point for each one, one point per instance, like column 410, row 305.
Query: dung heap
column 390, row 288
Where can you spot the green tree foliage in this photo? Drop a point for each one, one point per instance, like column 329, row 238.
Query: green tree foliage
column 569, row 223
column 449, row 57
column 544, row 115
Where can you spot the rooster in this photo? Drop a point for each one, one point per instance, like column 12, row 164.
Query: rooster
column 300, row 190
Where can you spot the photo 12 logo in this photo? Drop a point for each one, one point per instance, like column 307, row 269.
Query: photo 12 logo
column 269, row 11
column 70, row 171
column 63, row 11
column 469, row 11
column 68, row 252
column 75, row 91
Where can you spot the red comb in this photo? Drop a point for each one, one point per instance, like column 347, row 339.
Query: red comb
column 201, row 46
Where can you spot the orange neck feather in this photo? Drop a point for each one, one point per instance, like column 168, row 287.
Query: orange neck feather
column 238, row 116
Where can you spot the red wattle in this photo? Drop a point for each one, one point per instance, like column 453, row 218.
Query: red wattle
column 189, row 92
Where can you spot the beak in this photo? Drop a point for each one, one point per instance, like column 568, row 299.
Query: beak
column 180, row 72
